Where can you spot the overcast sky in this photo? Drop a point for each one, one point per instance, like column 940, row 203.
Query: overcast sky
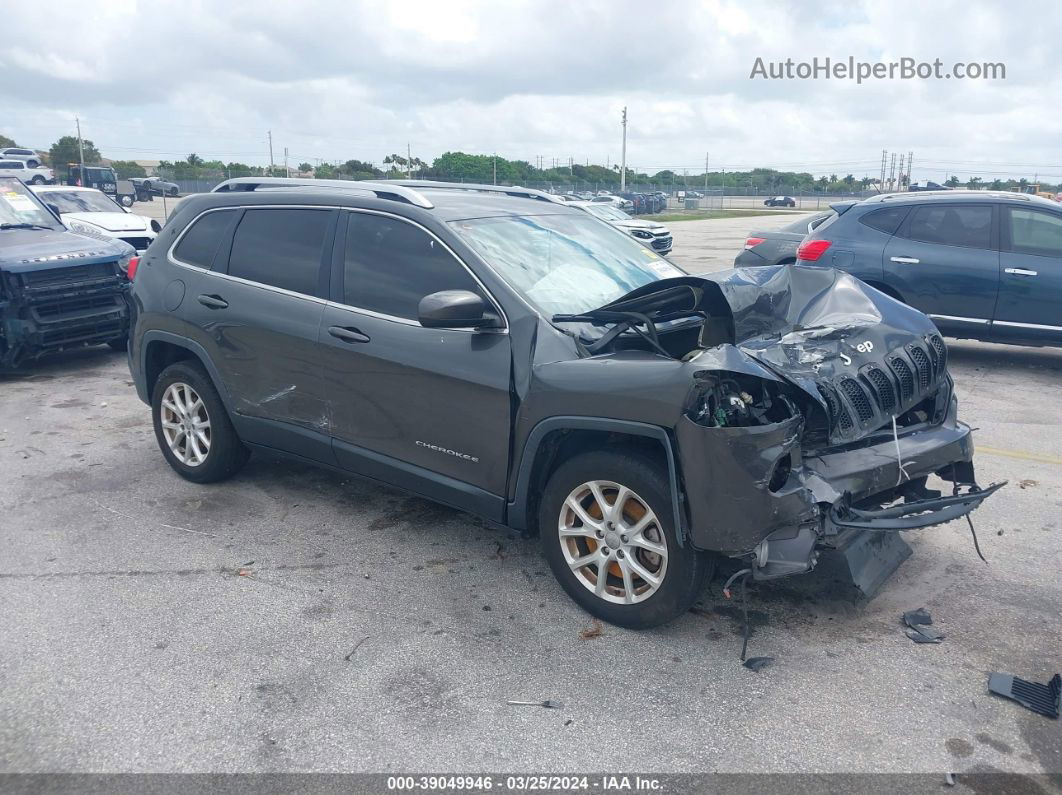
column 341, row 80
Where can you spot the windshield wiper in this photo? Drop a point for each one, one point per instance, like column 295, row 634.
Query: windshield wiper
column 25, row 226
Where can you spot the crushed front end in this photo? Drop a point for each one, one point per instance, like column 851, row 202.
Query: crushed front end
column 58, row 289
column 818, row 411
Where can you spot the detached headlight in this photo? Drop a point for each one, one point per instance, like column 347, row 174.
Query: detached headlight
column 88, row 231
column 642, row 234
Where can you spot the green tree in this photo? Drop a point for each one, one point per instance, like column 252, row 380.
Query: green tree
column 194, row 160
column 849, row 181
column 127, row 168
column 65, row 151
column 974, row 183
column 305, row 167
column 997, row 184
column 952, row 182
column 6, row 142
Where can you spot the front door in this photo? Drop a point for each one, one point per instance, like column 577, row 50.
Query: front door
column 1030, row 276
column 426, row 409
column 944, row 262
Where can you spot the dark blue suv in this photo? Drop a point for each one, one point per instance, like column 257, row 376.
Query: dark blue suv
column 984, row 265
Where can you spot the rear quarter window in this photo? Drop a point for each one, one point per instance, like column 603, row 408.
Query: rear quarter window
column 887, row 219
column 200, row 243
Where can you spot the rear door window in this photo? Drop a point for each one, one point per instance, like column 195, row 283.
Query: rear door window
column 280, row 248
column 200, row 243
column 969, row 226
column 1035, row 232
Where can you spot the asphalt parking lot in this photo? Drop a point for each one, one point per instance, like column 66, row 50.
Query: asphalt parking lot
column 294, row 619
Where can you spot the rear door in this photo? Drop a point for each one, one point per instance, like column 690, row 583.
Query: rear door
column 261, row 309
column 944, row 261
column 1030, row 283
column 425, row 409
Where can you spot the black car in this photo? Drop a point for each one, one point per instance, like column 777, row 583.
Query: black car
column 58, row 289
column 984, row 265
column 779, row 246
column 780, row 201
column 494, row 350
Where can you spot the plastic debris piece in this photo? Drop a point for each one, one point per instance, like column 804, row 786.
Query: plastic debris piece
column 1042, row 699
column 595, row 630
column 949, row 779
column 548, row 704
column 918, row 627
column 914, row 617
column 918, row 637
column 757, row 663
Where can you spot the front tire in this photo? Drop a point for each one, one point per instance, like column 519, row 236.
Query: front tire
column 192, row 427
column 607, row 531
column 37, row 180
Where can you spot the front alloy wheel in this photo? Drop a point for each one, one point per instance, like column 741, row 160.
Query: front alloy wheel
column 607, row 531
column 185, row 424
column 612, row 542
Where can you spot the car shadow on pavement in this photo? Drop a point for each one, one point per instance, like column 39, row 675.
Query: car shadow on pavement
column 999, row 356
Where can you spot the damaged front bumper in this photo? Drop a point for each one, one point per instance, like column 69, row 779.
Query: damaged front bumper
column 853, row 499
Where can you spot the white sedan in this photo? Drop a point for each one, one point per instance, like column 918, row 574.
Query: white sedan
column 92, row 213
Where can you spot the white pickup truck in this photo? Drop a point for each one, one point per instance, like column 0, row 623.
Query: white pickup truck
column 31, row 176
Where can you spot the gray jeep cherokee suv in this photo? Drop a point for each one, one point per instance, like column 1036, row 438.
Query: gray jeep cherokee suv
column 499, row 352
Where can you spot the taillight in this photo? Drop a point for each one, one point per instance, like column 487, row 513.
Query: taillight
column 130, row 270
column 811, row 250
column 753, row 241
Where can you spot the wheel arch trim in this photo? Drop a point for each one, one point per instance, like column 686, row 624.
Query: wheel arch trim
column 517, row 513
column 192, row 347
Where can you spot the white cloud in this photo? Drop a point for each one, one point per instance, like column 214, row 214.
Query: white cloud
column 338, row 80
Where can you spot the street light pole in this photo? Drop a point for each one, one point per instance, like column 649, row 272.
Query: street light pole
column 623, row 161
column 80, row 154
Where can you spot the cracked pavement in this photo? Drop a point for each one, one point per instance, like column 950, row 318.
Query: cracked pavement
column 295, row 619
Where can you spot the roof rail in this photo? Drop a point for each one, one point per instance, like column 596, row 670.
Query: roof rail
column 955, row 193
column 381, row 190
column 508, row 190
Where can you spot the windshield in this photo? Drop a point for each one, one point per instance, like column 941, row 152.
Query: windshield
column 79, row 201
column 19, row 206
column 607, row 212
column 563, row 264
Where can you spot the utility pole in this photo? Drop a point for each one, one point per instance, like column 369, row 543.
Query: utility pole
column 892, row 171
column 706, row 174
column 881, row 181
column 287, row 171
column 899, row 176
column 80, row 153
column 270, row 153
column 495, row 168
column 571, row 166
column 623, row 162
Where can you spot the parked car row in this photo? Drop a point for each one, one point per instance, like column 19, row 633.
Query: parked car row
column 634, row 203
column 982, row 264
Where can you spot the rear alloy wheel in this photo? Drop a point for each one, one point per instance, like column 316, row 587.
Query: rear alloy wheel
column 192, row 426
column 606, row 528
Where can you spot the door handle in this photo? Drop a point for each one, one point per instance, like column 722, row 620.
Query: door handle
column 347, row 334
column 213, row 301
column 905, row 260
column 1020, row 271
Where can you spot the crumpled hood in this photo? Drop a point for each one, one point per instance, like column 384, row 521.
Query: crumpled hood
column 112, row 222
column 850, row 347
column 23, row 250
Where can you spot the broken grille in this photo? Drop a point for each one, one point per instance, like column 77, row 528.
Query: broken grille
column 942, row 352
column 838, row 413
column 923, row 367
column 904, row 376
column 883, row 389
column 858, row 398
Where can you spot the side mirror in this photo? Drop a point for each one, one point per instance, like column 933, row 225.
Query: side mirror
column 456, row 309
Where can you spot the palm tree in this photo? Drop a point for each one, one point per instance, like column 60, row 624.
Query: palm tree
column 194, row 159
column 974, row 183
column 952, row 181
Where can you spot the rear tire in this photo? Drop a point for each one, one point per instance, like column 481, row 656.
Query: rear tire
column 649, row 578
column 192, row 427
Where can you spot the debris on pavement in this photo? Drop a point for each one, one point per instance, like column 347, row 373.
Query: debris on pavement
column 356, row 647
column 1042, row 699
column 548, row 704
column 949, row 779
column 595, row 630
column 918, row 627
column 1024, row 484
column 758, row 663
